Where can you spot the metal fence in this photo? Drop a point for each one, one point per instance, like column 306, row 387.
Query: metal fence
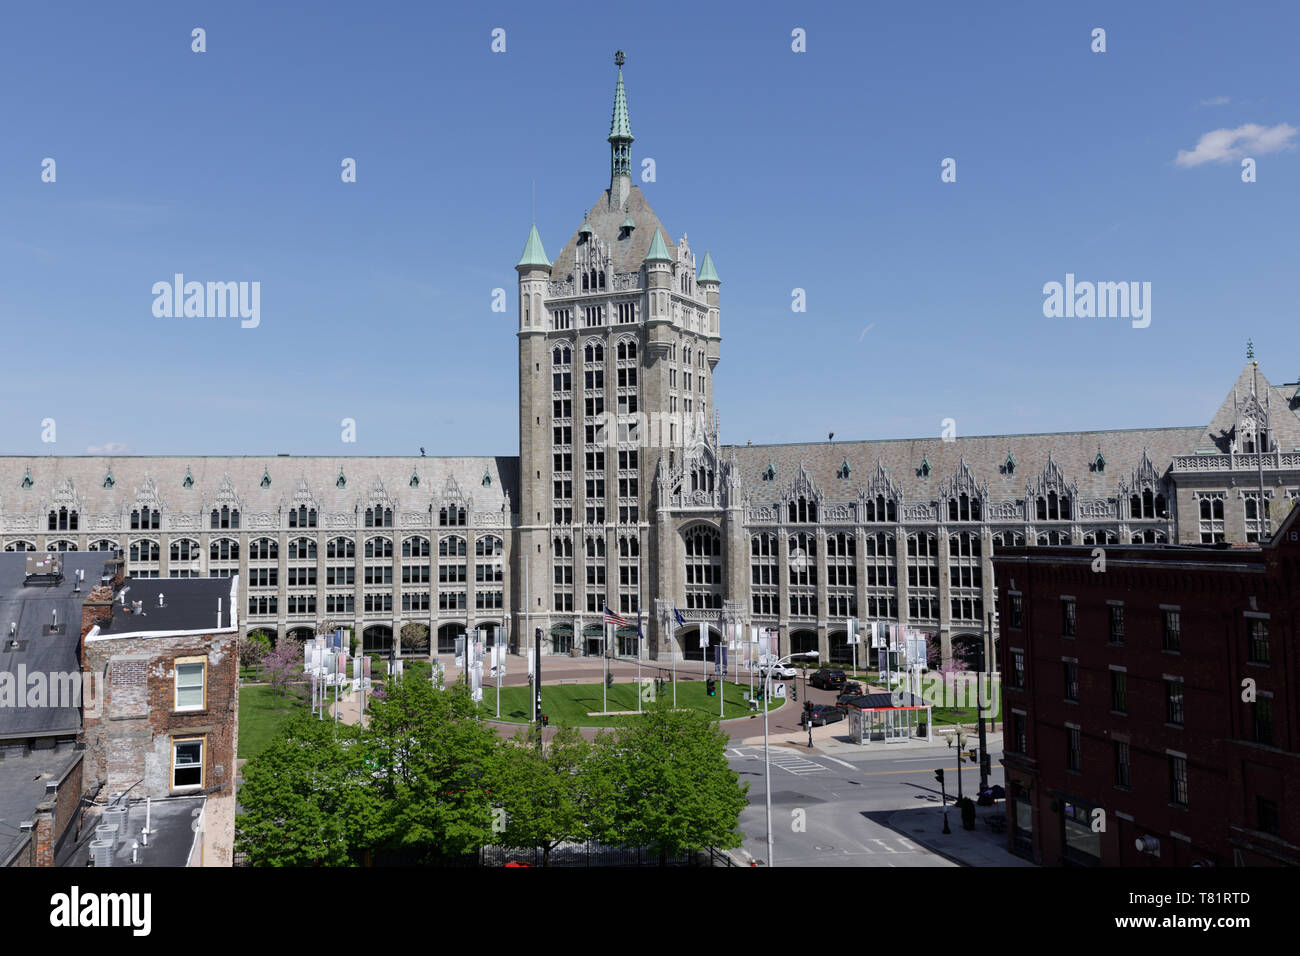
column 596, row 854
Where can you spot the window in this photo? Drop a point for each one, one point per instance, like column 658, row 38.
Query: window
column 1262, row 719
column 1071, row 670
column 1020, row 738
column 1173, row 636
column 190, row 684
column 1073, row 749
column 1117, row 624
column 1119, row 692
column 1259, row 649
column 1018, row 668
column 1266, row 817
column 1123, row 775
column 1015, row 610
column 1178, row 780
column 187, row 763
column 1174, row 702
column 1067, row 617
column 1210, row 505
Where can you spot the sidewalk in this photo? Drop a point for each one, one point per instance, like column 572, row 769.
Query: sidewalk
column 978, row 847
column 832, row 741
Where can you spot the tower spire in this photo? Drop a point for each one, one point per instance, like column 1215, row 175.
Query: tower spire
column 620, row 142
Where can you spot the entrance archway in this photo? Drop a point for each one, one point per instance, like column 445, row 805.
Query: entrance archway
column 488, row 631
column 561, row 638
column 688, row 639
column 301, row 633
column 840, row 649
column 801, row 642
column 591, row 640
column 447, row 635
column 968, row 648
column 377, row 639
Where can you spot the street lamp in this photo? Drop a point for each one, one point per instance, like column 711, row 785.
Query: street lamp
column 767, row 766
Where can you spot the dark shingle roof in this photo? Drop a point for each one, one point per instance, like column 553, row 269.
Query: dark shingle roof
column 626, row 255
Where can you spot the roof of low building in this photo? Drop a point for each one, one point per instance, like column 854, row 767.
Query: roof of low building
column 169, row 605
column 24, row 775
column 41, row 649
column 172, row 836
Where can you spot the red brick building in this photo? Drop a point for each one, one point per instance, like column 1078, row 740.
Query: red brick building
column 1151, row 696
column 166, row 651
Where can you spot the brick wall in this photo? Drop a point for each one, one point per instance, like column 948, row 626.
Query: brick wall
column 129, row 743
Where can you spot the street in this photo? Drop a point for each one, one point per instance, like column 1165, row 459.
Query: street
column 829, row 811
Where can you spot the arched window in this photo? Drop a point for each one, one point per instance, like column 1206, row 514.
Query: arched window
column 144, row 550
column 802, row 511
column 223, row 549
column 703, row 578
column 184, row 549
column 563, row 547
column 489, row 546
column 341, row 548
column 379, row 548
column 417, row 547
column 451, row 547
column 302, row 548
column 263, row 549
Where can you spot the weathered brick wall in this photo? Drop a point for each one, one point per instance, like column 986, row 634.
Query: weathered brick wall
column 130, row 741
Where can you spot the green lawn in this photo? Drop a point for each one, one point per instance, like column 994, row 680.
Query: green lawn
column 569, row 704
column 261, row 715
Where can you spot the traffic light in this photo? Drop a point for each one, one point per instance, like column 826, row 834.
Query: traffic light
column 971, row 754
column 938, row 775
column 711, row 687
column 546, row 721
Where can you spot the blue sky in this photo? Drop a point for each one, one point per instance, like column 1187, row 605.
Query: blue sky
column 815, row 170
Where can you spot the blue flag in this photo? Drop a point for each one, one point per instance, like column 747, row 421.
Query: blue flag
column 639, row 633
column 680, row 620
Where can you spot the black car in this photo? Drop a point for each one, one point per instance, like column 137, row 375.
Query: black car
column 823, row 714
column 851, row 689
column 828, row 679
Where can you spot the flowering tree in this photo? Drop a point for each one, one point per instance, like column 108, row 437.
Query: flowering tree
column 284, row 665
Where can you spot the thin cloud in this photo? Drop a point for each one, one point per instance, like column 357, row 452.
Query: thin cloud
column 862, row 334
column 1217, row 101
column 109, row 448
column 1226, row 145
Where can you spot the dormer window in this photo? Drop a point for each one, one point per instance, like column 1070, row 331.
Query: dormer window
column 924, row 470
column 1009, row 466
column 266, row 479
column 487, row 479
column 843, row 472
column 1099, row 463
column 187, row 483
column 108, row 480
column 340, row 481
column 769, row 473
column 415, row 480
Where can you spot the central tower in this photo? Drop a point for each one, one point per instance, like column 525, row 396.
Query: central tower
column 618, row 339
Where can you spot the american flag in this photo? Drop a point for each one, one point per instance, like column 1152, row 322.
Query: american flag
column 612, row 618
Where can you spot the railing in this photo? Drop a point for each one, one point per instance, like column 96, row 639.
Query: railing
column 1237, row 462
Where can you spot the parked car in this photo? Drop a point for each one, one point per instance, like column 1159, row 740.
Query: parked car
column 828, row 679
column 823, row 714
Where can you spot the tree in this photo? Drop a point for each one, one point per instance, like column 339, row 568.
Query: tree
column 415, row 636
column 548, row 794
column 252, row 648
column 284, row 665
column 434, row 765
column 671, row 786
column 304, row 798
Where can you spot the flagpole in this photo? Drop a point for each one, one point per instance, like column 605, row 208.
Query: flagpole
column 604, row 654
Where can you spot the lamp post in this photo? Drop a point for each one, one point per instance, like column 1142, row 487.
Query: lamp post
column 767, row 766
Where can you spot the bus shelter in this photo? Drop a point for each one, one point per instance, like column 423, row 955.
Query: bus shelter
column 882, row 717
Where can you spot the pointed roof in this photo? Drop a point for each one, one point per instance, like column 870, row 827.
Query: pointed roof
column 707, row 272
column 1284, row 421
column 620, row 128
column 657, row 249
column 534, row 254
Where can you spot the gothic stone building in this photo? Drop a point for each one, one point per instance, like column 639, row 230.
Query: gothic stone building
column 622, row 493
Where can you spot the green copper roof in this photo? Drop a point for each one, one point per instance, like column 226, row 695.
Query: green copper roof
column 707, row 272
column 534, row 254
column 585, row 228
column 629, row 223
column 657, row 249
column 620, row 127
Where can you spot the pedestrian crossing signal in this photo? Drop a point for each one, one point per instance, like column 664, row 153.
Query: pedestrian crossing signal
column 711, row 687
